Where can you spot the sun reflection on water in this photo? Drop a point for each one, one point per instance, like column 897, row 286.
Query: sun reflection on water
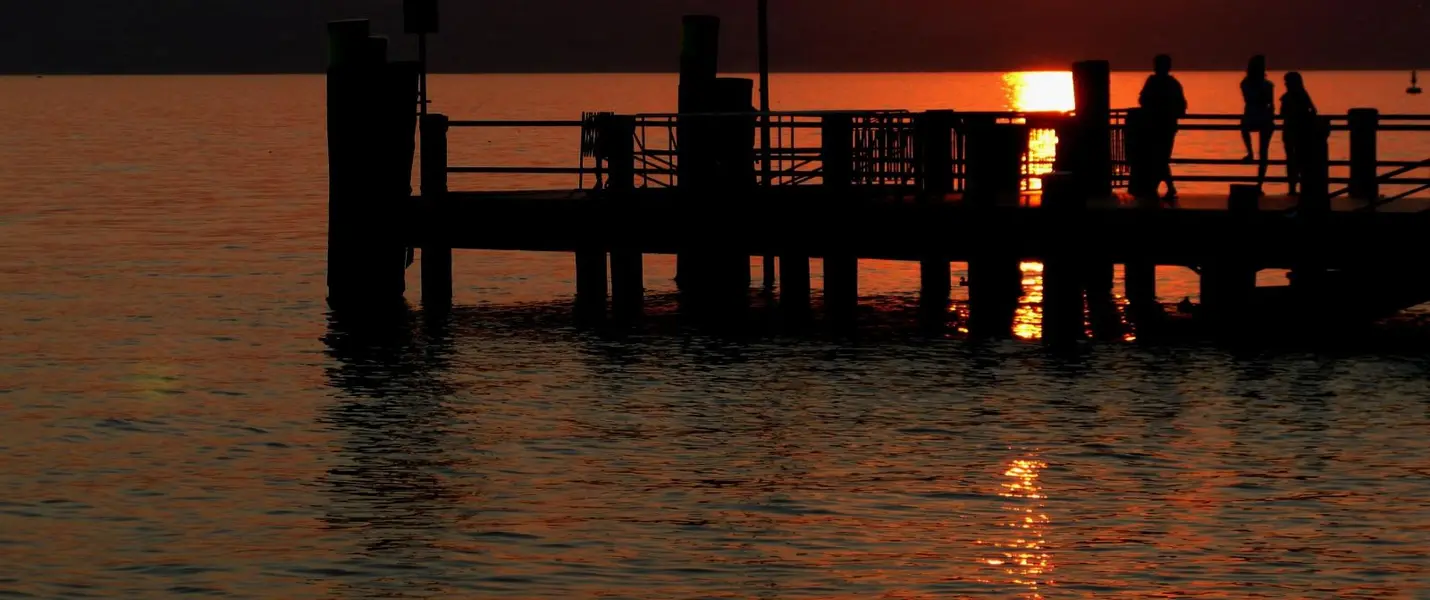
column 1028, row 320
column 1022, row 555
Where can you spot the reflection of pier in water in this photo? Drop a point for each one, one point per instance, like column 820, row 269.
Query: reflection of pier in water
column 1066, row 189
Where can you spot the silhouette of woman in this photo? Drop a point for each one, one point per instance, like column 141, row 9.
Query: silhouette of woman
column 1259, row 95
column 1298, row 113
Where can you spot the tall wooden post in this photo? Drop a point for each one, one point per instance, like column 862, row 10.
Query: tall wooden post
column 766, row 172
column 933, row 133
column 1228, row 278
column 1092, row 86
column 1365, row 132
column 993, row 182
column 696, row 164
column 436, row 251
column 366, row 188
column 1315, row 202
column 841, row 267
column 1063, row 262
column 1140, row 283
column 617, row 135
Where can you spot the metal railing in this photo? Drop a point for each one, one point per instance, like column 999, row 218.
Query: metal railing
column 884, row 149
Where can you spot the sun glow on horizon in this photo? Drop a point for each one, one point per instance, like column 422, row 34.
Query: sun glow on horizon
column 1040, row 91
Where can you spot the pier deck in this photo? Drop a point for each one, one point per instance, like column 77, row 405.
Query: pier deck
column 813, row 221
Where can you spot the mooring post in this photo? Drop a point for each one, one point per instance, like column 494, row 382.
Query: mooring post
column 1092, row 86
column 1229, row 278
column 993, row 182
column 1365, row 132
column 736, row 185
column 617, row 135
column 366, row 256
column 933, row 147
column 436, row 250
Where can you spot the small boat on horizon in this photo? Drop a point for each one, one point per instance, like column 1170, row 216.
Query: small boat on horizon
column 1414, row 83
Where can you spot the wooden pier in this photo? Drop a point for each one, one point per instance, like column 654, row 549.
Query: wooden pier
column 933, row 187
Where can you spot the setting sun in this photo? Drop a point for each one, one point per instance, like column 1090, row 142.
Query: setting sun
column 1039, row 91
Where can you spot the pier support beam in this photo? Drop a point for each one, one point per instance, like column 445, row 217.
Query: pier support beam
column 1064, row 266
column 1365, row 131
column 993, row 182
column 1140, row 278
column 696, row 163
column 841, row 267
column 1092, row 86
column 369, row 166
column 627, row 265
column 1228, row 278
column 436, row 252
column 933, row 147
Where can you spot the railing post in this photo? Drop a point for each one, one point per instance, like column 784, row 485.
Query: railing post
column 841, row 266
column 627, row 266
column 436, row 250
column 1365, row 131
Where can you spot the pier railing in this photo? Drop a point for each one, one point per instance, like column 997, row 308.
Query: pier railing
column 895, row 150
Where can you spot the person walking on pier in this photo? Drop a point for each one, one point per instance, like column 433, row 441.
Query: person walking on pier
column 1259, row 116
column 1298, row 113
column 1163, row 104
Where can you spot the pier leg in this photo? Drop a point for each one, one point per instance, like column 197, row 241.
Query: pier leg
column 1065, row 269
column 436, row 254
column 627, row 264
column 1310, row 270
column 933, row 148
column 1140, row 284
column 1365, row 131
column 737, row 184
column 993, row 181
column 841, row 267
column 794, row 284
column 591, row 287
column 1229, row 279
column 697, row 163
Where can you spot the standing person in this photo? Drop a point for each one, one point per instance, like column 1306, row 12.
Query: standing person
column 1259, row 116
column 1298, row 113
column 1163, row 103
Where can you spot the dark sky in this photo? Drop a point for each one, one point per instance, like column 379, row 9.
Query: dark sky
column 108, row 36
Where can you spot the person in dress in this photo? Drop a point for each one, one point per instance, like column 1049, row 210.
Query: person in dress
column 1298, row 113
column 1259, row 116
column 1163, row 103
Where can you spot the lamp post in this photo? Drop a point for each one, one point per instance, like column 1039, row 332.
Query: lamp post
column 766, row 177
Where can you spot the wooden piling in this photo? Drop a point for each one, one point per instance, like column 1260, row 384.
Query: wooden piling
column 1064, row 264
column 1228, row 279
column 436, row 252
column 933, row 149
column 696, row 164
column 1365, row 131
column 617, row 135
column 366, row 258
column 841, row 268
column 993, row 181
column 1140, row 277
column 1092, row 86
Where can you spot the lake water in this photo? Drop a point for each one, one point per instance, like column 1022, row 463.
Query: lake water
column 180, row 416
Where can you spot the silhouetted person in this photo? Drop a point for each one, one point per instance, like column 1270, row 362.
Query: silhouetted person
column 1259, row 116
column 1298, row 113
column 1163, row 103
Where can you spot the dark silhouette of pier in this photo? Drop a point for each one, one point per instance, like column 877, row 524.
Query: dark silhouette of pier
column 721, row 181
